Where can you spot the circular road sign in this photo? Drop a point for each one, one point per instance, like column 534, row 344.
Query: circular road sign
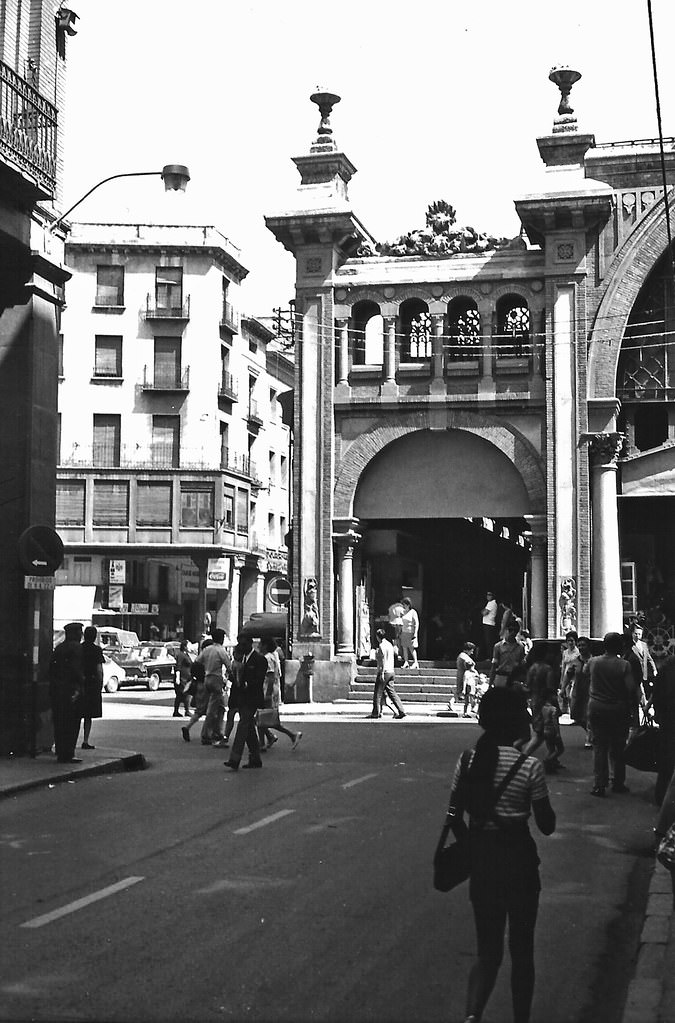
column 279, row 591
column 40, row 550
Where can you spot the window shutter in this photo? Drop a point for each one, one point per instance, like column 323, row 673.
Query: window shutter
column 108, row 361
column 111, row 503
column 153, row 506
column 70, row 502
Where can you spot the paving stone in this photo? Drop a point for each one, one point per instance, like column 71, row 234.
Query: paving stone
column 656, row 928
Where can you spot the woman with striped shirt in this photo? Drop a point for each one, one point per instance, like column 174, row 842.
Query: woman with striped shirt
column 504, row 880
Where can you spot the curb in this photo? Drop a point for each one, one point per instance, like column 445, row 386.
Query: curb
column 125, row 762
column 647, row 989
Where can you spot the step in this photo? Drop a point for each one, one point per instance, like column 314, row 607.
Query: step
column 440, row 693
column 404, row 698
column 401, row 673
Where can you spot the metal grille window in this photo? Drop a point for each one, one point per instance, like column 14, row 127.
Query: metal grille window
column 107, row 431
column 196, row 505
column 153, row 503
column 166, row 441
column 109, row 285
column 464, row 329
column 108, row 356
column 70, row 496
column 111, row 503
column 169, row 287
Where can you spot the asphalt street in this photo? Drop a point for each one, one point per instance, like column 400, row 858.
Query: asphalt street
column 298, row 892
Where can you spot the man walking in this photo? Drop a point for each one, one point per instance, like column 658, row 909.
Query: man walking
column 508, row 658
column 214, row 657
column 611, row 700
column 66, row 693
column 248, row 695
column 384, row 682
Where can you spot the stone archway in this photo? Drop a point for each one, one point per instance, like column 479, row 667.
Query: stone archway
column 391, row 428
column 627, row 274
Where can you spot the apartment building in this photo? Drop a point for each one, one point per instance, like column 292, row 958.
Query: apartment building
column 173, row 480
column 33, row 42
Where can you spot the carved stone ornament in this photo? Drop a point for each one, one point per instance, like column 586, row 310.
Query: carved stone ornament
column 606, row 448
column 566, row 250
column 564, row 77
column 309, row 625
column 567, row 603
column 325, row 101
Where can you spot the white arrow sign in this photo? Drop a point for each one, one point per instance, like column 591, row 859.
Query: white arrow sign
column 35, row 562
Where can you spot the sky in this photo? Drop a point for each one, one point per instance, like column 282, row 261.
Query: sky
column 439, row 100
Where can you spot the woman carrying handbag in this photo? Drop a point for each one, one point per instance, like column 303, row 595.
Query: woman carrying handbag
column 498, row 787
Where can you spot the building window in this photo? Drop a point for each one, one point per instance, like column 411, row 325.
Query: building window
column 107, row 432
column 271, row 531
column 60, row 355
column 169, row 287
column 273, row 468
column 282, row 530
column 58, row 438
column 107, row 356
column 464, row 329
column 283, row 460
column 628, row 587
column 274, row 406
column 196, row 505
column 70, row 496
column 110, row 285
column 242, row 511
column 111, row 503
column 513, row 325
column 166, row 441
column 367, row 339
column 416, row 327
column 153, row 503
column 228, row 507
column 167, row 361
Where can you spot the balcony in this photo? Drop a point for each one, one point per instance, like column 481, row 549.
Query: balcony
column 135, row 456
column 27, row 134
column 228, row 388
column 166, row 311
column 229, row 321
column 255, row 416
column 243, row 465
column 166, row 381
column 512, row 355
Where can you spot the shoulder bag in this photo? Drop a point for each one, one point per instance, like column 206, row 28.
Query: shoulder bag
column 642, row 749
column 452, row 863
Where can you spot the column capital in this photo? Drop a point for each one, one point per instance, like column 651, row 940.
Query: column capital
column 605, row 448
column 341, row 322
column 346, row 534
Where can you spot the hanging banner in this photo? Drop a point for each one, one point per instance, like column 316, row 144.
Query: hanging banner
column 218, row 573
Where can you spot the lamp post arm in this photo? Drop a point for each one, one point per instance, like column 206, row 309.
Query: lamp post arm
column 113, row 177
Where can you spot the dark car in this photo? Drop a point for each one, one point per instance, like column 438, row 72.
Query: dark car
column 149, row 664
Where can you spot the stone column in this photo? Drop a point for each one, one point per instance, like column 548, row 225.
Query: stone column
column 606, row 602
column 345, row 539
column 538, row 582
column 437, row 385
column 260, row 590
column 233, row 623
column 389, row 385
column 342, row 327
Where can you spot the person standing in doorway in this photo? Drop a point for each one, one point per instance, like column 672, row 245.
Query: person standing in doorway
column 490, row 627
column 384, row 681
column 92, row 665
column 66, row 691
column 214, row 658
column 410, row 628
column 249, row 696
column 395, row 613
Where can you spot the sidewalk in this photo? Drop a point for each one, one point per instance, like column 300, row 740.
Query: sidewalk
column 651, row 993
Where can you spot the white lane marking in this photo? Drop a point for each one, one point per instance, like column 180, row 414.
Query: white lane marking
column 357, row 781
column 262, row 823
column 72, row 907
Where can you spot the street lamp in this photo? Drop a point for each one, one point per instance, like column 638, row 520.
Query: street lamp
column 174, row 175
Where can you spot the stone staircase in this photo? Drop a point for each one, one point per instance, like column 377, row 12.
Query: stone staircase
column 433, row 683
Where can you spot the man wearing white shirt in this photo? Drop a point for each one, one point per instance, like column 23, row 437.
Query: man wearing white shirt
column 490, row 628
column 384, row 682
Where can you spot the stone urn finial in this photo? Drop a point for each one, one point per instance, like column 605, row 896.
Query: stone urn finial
column 564, row 77
column 325, row 101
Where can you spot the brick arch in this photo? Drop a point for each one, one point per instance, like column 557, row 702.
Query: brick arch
column 391, row 428
column 626, row 275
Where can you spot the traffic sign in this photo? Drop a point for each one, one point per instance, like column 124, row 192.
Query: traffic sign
column 279, row 591
column 39, row 582
column 40, row 550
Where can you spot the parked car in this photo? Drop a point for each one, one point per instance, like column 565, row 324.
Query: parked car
column 149, row 664
column 114, row 675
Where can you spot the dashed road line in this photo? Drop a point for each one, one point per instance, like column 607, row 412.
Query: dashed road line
column 72, row 907
column 357, row 781
column 264, row 822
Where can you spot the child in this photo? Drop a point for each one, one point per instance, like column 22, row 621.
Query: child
column 471, row 679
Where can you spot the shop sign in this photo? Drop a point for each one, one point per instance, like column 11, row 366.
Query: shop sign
column 277, row 560
column 218, row 574
column 189, row 580
column 117, row 572
column 140, row 609
column 39, row 582
column 115, row 597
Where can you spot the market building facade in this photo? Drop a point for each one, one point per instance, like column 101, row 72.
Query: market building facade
column 476, row 413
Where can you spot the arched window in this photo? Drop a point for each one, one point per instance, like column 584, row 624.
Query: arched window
column 463, row 329
column 366, row 335
column 416, row 329
column 513, row 325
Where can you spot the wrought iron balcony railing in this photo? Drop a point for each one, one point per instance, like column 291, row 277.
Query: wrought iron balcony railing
column 27, row 129
column 228, row 387
column 166, row 380
column 242, row 464
column 164, row 311
column 159, row 455
column 255, row 415
column 230, row 318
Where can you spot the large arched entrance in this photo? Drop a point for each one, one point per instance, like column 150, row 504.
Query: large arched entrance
column 442, row 519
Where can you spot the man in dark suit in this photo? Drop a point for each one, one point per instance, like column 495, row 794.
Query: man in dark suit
column 66, row 693
column 249, row 695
